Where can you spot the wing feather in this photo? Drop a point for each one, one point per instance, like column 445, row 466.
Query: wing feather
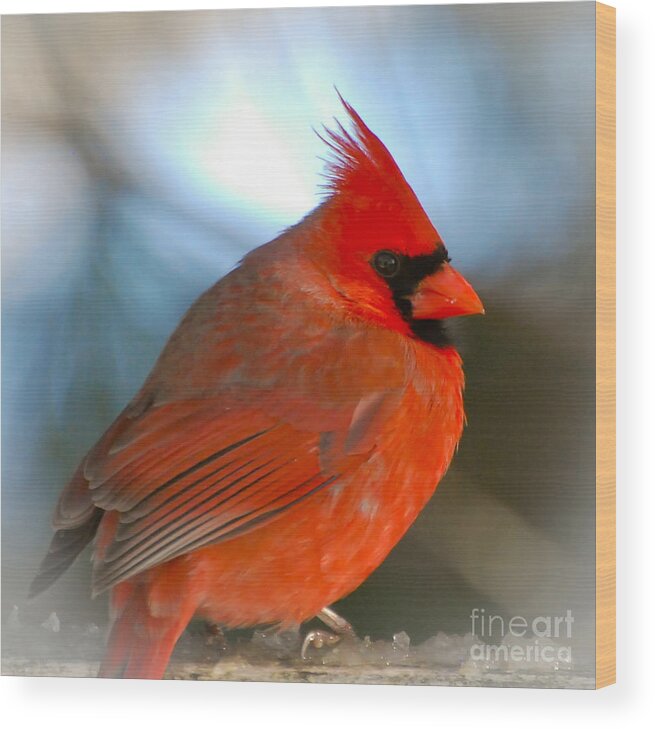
column 231, row 473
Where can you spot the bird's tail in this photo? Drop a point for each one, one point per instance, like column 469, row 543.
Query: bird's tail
column 140, row 644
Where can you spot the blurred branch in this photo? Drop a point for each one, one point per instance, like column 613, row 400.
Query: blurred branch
column 77, row 127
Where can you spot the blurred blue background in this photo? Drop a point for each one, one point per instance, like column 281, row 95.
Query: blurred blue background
column 144, row 154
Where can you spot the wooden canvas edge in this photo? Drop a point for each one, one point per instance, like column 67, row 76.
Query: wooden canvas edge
column 605, row 345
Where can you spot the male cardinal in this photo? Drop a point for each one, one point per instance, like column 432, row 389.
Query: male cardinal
column 295, row 424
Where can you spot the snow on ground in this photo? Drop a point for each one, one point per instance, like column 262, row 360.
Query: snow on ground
column 53, row 648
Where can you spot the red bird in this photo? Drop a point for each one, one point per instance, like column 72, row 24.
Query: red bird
column 295, row 424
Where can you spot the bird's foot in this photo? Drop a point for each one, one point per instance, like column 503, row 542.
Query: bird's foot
column 216, row 636
column 340, row 629
column 318, row 639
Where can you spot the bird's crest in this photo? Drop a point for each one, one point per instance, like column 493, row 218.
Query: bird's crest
column 359, row 164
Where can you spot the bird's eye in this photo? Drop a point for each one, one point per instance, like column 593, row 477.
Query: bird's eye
column 386, row 263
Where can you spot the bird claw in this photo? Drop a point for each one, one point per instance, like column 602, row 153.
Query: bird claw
column 318, row 639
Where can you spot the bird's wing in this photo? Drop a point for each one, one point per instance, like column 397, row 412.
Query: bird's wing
column 183, row 475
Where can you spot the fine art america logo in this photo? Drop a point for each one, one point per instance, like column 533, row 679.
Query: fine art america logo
column 542, row 640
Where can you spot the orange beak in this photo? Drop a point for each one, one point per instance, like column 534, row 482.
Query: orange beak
column 444, row 294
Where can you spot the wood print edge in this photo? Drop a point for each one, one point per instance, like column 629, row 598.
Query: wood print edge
column 605, row 345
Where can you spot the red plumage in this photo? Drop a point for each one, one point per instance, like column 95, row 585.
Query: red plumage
column 295, row 424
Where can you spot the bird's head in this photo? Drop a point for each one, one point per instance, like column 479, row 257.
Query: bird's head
column 377, row 245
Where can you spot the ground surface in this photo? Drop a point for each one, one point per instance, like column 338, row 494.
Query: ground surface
column 50, row 649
